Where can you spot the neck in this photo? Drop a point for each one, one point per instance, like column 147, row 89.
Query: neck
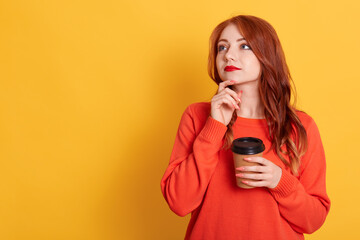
column 251, row 105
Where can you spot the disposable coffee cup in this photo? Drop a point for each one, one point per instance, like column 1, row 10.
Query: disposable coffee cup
column 242, row 148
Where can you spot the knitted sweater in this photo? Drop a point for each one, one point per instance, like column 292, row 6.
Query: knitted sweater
column 200, row 180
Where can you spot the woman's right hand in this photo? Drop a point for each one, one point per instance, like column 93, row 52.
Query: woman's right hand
column 225, row 102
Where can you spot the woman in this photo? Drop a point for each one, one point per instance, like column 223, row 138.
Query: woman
column 289, row 197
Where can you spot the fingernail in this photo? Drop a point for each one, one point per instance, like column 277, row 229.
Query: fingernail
column 232, row 81
column 240, row 168
column 239, row 99
column 239, row 175
column 246, row 158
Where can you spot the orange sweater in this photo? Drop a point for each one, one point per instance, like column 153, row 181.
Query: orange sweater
column 200, row 179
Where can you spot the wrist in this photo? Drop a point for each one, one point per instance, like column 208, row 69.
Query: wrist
column 218, row 119
column 277, row 179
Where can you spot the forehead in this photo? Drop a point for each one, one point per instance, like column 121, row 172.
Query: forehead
column 230, row 33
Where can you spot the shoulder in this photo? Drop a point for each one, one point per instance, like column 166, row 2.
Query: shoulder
column 306, row 120
column 196, row 114
column 308, row 123
column 199, row 109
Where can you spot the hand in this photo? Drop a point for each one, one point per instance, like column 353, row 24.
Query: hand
column 224, row 103
column 267, row 174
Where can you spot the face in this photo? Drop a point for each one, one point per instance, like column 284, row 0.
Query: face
column 235, row 60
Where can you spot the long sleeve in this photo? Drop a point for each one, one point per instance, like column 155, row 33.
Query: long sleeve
column 303, row 201
column 193, row 160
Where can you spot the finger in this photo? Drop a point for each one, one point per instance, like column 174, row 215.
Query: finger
column 220, row 101
column 230, row 96
column 233, row 94
column 226, row 83
column 256, row 168
column 253, row 176
column 259, row 160
column 233, row 101
column 240, row 93
column 255, row 183
column 219, row 98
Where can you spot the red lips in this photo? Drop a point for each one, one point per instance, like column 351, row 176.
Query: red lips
column 231, row 68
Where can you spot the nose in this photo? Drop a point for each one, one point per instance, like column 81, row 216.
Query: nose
column 230, row 54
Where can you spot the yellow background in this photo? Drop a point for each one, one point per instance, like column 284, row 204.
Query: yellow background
column 91, row 94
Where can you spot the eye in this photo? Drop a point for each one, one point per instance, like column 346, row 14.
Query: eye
column 245, row 47
column 221, row 48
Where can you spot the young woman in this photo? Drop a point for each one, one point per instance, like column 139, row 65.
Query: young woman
column 289, row 197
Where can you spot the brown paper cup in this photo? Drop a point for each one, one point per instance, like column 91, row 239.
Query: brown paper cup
column 239, row 162
column 242, row 148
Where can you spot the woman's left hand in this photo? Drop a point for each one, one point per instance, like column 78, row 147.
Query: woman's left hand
column 266, row 175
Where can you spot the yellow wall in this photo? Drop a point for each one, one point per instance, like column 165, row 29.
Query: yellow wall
column 91, row 94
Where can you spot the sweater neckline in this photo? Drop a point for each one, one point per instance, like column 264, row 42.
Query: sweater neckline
column 251, row 122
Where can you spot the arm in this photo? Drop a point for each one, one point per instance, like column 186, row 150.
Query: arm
column 303, row 202
column 192, row 163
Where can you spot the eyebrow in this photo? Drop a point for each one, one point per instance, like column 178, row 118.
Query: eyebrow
column 240, row 39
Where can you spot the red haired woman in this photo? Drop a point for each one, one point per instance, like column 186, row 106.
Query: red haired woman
column 288, row 197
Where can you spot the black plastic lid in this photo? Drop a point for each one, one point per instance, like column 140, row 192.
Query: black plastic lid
column 247, row 146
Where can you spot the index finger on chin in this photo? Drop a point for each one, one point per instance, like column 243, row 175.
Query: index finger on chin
column 226, row 83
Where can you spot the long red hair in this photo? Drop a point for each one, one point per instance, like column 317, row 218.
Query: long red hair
column 287, row 134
